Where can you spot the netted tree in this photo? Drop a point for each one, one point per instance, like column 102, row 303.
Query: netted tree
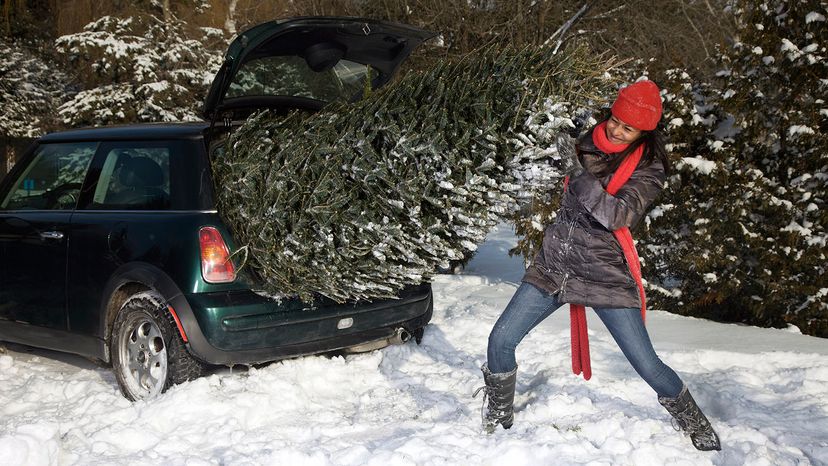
column 361, row 199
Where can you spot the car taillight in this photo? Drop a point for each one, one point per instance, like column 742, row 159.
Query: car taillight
column 216, row 266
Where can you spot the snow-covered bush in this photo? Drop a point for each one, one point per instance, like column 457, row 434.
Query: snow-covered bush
column 741, row 233
column 30, row 90
column 139, row 69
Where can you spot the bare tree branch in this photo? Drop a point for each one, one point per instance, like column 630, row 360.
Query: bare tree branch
column 609, row 14
column 701, row 37
column 567, row 25
column 709, row 7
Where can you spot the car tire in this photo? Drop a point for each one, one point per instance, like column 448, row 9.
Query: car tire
column 148, row 354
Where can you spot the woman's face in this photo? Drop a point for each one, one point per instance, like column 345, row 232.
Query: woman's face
column 619, row 132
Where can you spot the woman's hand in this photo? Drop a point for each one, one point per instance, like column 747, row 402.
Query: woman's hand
column 570, row 164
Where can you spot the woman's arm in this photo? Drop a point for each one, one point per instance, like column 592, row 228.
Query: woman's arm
column 629, row 204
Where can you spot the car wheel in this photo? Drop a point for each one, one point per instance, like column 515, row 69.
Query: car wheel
column 148, row 354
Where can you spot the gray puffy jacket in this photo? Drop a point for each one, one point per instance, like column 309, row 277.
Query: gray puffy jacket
column 580, row 258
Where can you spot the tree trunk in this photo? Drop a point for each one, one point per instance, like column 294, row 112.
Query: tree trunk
column 230, row 21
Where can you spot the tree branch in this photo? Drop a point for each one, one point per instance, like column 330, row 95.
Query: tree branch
column 564, row 28
column 701, row 37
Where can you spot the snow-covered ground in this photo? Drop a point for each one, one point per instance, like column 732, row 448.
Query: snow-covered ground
column 765, row 391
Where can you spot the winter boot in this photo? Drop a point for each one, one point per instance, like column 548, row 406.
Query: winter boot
column 500, row 389
column 691, row 420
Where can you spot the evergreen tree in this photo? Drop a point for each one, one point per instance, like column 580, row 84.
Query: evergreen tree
column 361, row 199
column 30, row 91
column 139, row 68
column 741, row 235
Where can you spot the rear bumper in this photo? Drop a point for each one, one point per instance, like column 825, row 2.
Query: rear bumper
column 242, row 327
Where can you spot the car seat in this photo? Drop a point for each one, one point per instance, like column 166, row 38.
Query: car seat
column 142, row 179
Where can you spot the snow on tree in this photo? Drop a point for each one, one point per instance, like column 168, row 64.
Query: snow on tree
column 361, row 199
column 542, row 182
column 30, row 90
column 741, row 234
column 139, row 69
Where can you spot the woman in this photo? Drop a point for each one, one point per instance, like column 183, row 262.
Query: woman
column 588, row 259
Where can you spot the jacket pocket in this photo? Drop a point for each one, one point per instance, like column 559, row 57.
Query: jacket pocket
column 607, row 265
column 607, row 249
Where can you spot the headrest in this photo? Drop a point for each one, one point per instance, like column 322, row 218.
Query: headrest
column 141, row 172
column 323, row 56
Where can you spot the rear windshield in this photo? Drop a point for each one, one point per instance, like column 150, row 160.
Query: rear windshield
column 291, row 76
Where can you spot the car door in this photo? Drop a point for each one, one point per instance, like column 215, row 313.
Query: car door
column 140, row 205
column 36, row 204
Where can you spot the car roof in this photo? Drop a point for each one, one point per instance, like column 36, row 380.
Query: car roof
column 131, row 132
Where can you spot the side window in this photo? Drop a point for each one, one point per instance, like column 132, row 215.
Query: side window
column 134, row 177
column 53, row 179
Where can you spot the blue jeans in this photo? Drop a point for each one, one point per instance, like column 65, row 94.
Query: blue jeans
column 530, row 305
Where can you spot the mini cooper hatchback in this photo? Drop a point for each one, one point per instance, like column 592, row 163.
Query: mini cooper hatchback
column 111, row 246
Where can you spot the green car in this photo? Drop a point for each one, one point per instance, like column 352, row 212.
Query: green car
column 111, row 246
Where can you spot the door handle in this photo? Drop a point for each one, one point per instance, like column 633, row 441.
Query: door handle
column 57, row 235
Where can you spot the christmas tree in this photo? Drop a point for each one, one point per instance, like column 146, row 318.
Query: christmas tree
column 360, row 199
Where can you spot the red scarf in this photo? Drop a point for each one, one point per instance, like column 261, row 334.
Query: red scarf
column 577, row 313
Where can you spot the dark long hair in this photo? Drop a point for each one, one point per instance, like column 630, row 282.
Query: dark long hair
column 654, row 148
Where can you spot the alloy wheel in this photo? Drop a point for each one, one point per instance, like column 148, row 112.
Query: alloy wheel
column 143, row 356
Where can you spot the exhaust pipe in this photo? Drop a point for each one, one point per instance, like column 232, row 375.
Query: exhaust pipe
column 400, row 336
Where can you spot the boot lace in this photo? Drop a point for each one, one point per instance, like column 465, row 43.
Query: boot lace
column 691, row 423
column 675, row 424
column 483, row 406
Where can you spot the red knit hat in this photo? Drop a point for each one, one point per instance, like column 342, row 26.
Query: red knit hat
column 639, row 105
